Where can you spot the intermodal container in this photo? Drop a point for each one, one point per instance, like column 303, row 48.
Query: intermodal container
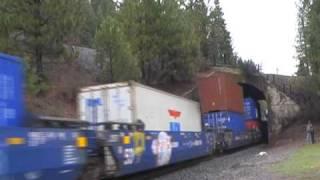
column 130, row 101
column 220, row 92
column 11, row 91
column 209, row 120
column 232, row 121
column 250, row 109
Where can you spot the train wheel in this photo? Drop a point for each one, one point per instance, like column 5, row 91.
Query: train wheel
column 219, row 149
column 93, row 170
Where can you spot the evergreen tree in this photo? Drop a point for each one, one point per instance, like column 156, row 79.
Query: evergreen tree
column 308, row 44
column 115, row 57
column 220, row 50
column 198, row 12
column 89, row 26
column 38, row 28
column 162, row 38
column 302, row 38
column 156, row 41
column 313, row 37
column 103, row 8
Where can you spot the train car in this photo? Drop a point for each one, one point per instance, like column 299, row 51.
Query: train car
column 139, row 128
column 233, row 118
column 231, row 130
column 33, row 147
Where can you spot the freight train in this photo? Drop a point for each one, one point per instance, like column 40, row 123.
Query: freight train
column 123, row 128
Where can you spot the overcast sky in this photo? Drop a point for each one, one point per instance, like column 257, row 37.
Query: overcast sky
column 264, row 31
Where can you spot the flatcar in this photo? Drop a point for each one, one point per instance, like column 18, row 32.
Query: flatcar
column 138, row 128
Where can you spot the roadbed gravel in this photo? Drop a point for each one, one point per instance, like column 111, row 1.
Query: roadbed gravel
column 241, row 165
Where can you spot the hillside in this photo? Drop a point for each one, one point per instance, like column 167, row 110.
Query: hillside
column 61, row 96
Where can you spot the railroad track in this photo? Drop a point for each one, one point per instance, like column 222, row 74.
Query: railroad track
column 164, row 170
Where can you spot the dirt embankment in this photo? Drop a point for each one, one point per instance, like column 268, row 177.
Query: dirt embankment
column 60, row 99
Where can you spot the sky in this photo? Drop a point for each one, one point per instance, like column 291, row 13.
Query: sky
column 264, row 31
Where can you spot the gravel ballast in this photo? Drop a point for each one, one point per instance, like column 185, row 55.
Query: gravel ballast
column 243, row 164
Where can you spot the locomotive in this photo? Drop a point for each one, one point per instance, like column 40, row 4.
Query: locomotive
column 34, row 147
column 123, row 128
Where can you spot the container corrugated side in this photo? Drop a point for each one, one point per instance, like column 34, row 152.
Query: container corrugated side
column 98, row 104
column 161, row 111
column 230, row 120
column 11, row 91
column 129, row 102
column 220, row 92
column 249, row 102
column 209, row 119
column 250, row 109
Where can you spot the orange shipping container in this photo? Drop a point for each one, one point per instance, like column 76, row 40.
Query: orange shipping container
column 220, row 92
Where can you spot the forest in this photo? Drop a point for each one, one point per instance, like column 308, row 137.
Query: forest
column 308, row 43
column 151, row 41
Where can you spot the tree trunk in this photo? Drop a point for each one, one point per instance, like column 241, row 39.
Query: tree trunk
column 111, row 80
column 38, row 48
column 39, row 64
column 143, row 73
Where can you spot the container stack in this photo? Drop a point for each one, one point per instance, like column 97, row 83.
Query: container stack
column 221, row 100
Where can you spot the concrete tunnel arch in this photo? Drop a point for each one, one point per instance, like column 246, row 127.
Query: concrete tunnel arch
column 252, row 91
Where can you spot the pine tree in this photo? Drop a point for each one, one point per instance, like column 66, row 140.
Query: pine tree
column 38, row 28
column 89, row 26
column 220, row 50
column 162, row 37
column 102, row 9
column 313, row 38
column 308, row 44
column 198, row 11
column 302, row 38
column 115, row 57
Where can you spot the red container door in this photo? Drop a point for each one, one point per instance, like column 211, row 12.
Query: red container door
column 220, row 92
column 252, row 124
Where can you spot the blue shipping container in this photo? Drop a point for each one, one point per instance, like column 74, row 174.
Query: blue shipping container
column 231, row 120
column 225, row 120
column 11, row 91
column 250, row 109
column 208, row 120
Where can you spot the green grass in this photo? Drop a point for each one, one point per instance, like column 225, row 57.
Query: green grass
column 303, row 163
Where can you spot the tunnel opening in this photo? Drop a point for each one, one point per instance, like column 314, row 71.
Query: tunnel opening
column 250, row 91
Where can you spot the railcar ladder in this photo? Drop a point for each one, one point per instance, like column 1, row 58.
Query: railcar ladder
column 110, row 163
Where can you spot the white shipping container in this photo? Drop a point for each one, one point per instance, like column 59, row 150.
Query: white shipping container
column 130, row 101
